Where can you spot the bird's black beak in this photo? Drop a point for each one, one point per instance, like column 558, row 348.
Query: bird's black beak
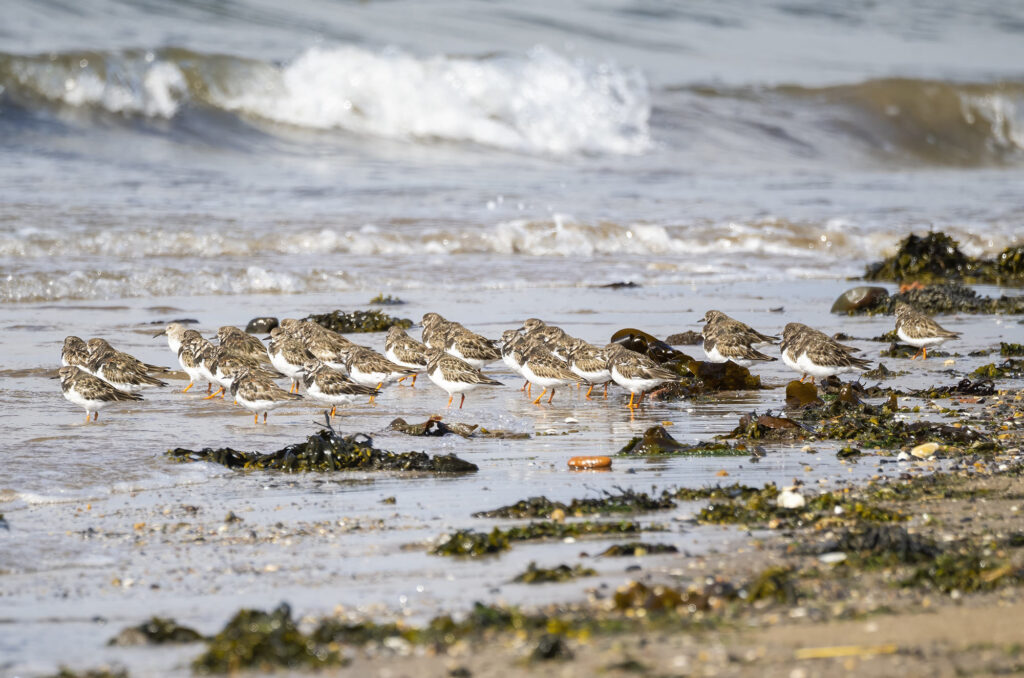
column 160, row 334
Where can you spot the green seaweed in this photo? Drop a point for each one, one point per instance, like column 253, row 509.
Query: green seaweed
column 434, row 427
column 551, row 647
column 359, row 321
column 155, row 631
column 1011, row 350
column 879, row 545
column 967, row 570
column 264, row 641
column 1011, row 368
column 65, row 672
column 762, row 509
column 561, row 573
column 474, row 544
column 328, row 451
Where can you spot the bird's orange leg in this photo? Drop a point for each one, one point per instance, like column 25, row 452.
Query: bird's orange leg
column 589, row 390
column 542, row 391
column 209, row 387
column 924, row 353
column 88, row 416
column 462, row 401
column 256, row 417
column 630, row 405
column 525, row 383
column 264, row 417
column 380, row 385
column 606, row 390
column 449, row 401
column 185, row 390
column 334, row 408
column 413, row 384
column 402, row 379
column 551, row 396
column 213, row 395
column 802, row 378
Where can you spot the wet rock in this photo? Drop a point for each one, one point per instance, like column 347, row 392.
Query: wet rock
column 790, row 498
column 328, row 451
column 688, row 338
column 946, row 298
column 859, row 298
column 657, row 441
column 880, row 372
column 261, row 325
column 767, row 427
column 924, row 450
column 801, row 394
column 358, row 321
column 156, row 631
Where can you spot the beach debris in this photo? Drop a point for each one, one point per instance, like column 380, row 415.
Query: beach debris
column 656, row 441
column 358, row 321
column 328, row 451
column 550, row 647
column 590, row 463
column 544, row 575
column 775, row 584
column 155, row 631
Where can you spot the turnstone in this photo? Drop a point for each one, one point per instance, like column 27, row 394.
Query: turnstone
column 122, row 371
column 403, row 350
column 326, row 345
column 635, row 372
column 258, row 394
column 511, row 352
column 75, row 354
column 332, row 387
column 193, row 345
column 814, row 353
column 288, row 356
column 369, row 368
column 536, row 329
column 454, row 375
column 174, row 333
column 92, row 393
column 722, row 344
column 226, row 365
column 101, row 349
column 716, row 320
column 435, row 330
column 471, row 347
column 542, row 368
column 240, row 342
column 590, row 363
column 917, row 329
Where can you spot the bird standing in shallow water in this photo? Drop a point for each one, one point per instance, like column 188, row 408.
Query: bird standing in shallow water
column 919, row 330
column 454, row 375
column 92, row 393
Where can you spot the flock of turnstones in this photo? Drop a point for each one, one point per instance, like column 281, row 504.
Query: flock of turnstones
column 335, row 370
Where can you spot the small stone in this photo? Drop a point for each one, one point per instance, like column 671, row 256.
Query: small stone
column 261, row 325
column 903, row 456
column 832, row 558
column 558, row 516
column 925, row 450
column 949, row 362
column 789, row 498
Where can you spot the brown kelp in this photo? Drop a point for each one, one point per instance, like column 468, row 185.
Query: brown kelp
column 328, row 450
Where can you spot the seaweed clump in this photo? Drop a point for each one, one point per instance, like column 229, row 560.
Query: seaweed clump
column 880, row 546
column 656, row 441
column 545, row 575
column 762, row 509
column 622, row 501
column 1011, row 350
column 637, row 548
column 936, row 257
column 328, row 451
column 264, row 641
column 474, row 544
column 386, row 300
column 1011, row 368
column 155, row 631
column 358, row 321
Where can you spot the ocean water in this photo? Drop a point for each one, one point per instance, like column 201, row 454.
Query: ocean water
column 488, row 160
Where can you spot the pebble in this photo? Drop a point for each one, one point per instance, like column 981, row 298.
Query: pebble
column 832, row 557
column 925, row 450
column 903, row 456
column 789, row 498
